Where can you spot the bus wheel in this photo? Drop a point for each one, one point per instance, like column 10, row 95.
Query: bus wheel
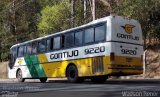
column 43, row 80
column 19, row 76
column 72, row 75
column 99, row 79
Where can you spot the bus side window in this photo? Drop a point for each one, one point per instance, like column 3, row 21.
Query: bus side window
column 41, row 46
column 25, row 50
column 89, row 35
column 100, row 33
column 49, row 45
column 29, row 48
column 56, row 43
column 20, row 51
column 69, row 40
column 78, row 37
column 34, row 47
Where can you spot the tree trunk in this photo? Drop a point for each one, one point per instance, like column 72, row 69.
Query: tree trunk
column 93, row 10
column 85, row 9
column 73, row 13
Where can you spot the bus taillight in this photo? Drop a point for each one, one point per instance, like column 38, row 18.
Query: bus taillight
column 112, row 56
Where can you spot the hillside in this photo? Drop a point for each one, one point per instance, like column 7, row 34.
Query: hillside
column 152, row 69
column 153, row 62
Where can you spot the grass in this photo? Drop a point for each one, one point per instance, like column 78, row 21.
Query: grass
column 3, row 70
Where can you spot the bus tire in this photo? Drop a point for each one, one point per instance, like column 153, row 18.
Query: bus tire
column 43, row 80
column 99, row 79
column 19, row 76
column 72, row 75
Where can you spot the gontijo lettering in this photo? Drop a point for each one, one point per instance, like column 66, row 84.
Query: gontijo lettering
column 125, row 36
column 65, row 54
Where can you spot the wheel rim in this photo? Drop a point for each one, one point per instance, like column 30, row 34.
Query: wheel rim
column 19, row 76
column 72, row 74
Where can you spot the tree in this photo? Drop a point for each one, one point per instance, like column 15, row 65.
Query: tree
column 146, row 12
column 55, row 18
column 18, row 23
column 4, row 5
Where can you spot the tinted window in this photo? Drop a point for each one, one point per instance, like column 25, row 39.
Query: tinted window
column 69, row 40
column 89, row 35
column 25, row 50
column 20, row 51
column 34, row 47
column 29, row 48
column 42, row 46
column 13, row 54
column 100, row 33
column 49, row 44
column 78, row 37
column 56, row 43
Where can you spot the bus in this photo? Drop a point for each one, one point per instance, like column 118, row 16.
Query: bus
column 109, row 46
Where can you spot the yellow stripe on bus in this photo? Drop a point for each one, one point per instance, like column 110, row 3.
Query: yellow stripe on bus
column 58, row 69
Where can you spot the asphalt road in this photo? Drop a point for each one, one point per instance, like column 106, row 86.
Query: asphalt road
column 62, row 88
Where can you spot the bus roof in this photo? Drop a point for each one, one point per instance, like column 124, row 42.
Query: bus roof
column 104, row 19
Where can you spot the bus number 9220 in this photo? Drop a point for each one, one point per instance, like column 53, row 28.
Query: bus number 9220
column 94, row 50
column 128, row 52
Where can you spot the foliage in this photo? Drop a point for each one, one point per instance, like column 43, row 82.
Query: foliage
column 55, row 18
column 29, row 19
column 147, row 12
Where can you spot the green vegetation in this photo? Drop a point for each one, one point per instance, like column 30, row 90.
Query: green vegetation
column 54, row 16
column 22, row 20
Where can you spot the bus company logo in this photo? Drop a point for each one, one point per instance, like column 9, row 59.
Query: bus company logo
column 128, row 28
column 20, row 61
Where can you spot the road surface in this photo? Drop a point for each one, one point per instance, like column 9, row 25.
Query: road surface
column 62, row 88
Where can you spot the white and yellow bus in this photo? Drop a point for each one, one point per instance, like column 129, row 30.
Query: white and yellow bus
column 110, row 46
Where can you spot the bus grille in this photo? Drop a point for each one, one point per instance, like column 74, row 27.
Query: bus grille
column 97, row 64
